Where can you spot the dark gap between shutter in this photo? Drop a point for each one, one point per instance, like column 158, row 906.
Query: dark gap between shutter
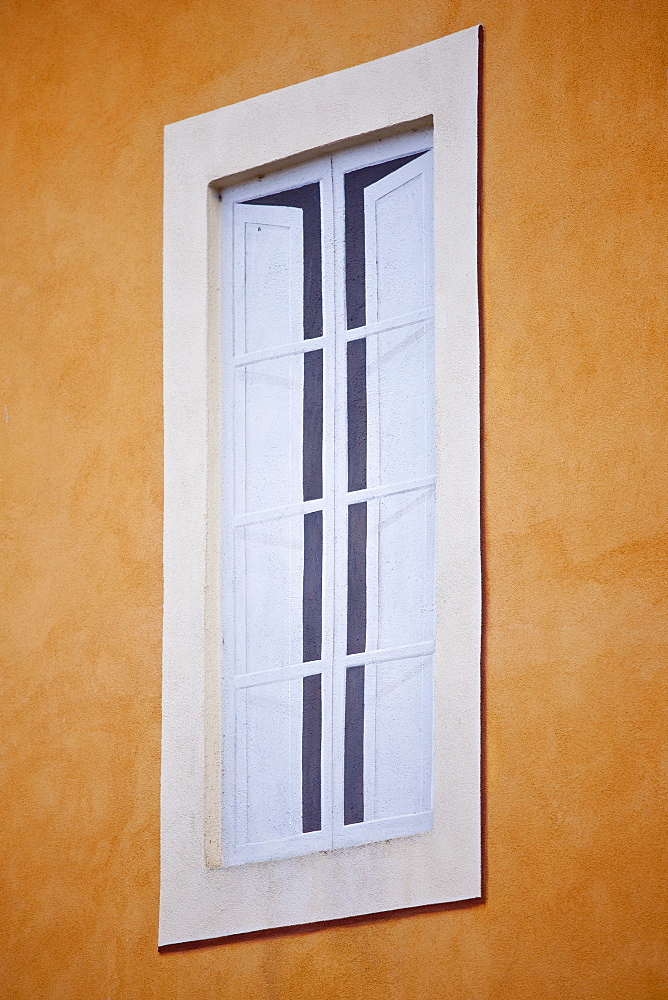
column 357, row 531
column 311, row 752
column 357, row 416
column 353, row 750
column 312, row 425
column 312, row 587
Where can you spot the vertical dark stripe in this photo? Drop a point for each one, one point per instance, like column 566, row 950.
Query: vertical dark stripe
column 312, row 426
column 308, row 199
column 356, row 365
column 353, row 747
column 354, row 184
column 312, row 587
column 356, row 578
column 311, row 752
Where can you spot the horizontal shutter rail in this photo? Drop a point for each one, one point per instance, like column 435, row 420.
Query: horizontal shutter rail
column 384, row 829
column 397, row 323
column 392, row 489
column 287, row 847
column 410, row 652
column 292, row 671
column 281, row 351
column 276, row 513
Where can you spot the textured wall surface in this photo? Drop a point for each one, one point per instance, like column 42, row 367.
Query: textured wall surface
column 576, row 542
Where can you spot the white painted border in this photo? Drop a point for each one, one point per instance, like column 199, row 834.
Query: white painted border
column 436, row 81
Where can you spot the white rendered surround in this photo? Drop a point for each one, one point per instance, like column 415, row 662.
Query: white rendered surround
column 436, row 82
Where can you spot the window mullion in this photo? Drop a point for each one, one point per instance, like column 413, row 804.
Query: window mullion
column 330, row 395
column 340, row 505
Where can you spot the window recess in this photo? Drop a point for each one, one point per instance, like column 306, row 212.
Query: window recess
column 328, row 496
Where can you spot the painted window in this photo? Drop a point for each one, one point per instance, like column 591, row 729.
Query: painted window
column 291, row 226
column 328, row 495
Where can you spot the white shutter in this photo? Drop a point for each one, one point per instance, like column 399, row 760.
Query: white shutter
column 398, row 700
column 263, row 555
column 398, row 219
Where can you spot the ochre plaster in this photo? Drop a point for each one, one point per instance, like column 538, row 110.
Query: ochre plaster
column 574, row 487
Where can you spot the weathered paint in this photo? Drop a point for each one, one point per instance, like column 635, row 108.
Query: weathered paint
column 573, row 270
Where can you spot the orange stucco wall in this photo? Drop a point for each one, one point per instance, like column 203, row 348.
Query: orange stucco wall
column 575, row 485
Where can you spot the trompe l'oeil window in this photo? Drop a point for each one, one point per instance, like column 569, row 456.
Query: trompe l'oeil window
column 328, row 491
column 320, row 737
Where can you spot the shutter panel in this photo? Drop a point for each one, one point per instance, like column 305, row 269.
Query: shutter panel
column 400, row 735
column 267, row 763
column 264, row 689
column 268, row 584
column 268, row 315
column 268, row 277
column 398, row 221
column 269, row 422
column 398, row 678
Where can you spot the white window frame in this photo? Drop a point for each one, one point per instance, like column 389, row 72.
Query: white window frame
column 433, row 83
